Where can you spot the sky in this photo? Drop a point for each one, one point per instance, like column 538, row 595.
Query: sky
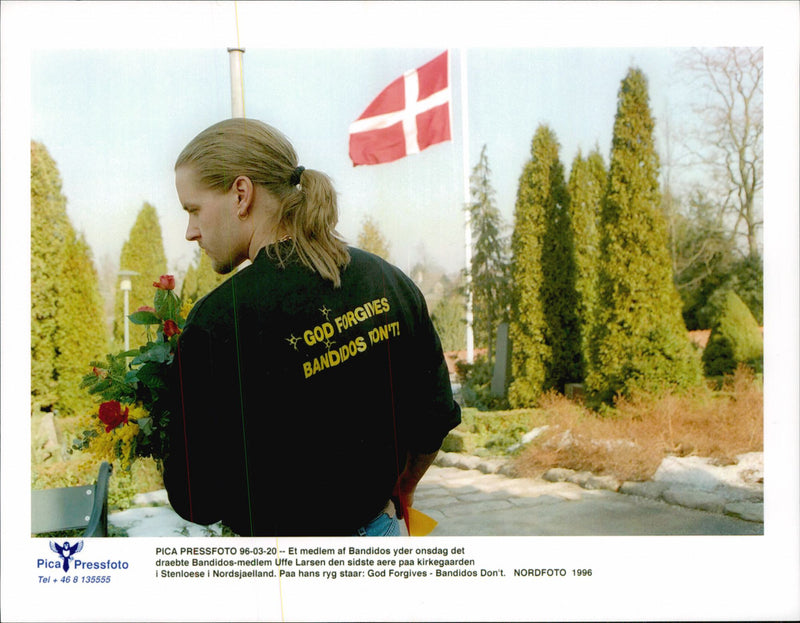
column 115, row 119
column 116, row 89
column 130, row 113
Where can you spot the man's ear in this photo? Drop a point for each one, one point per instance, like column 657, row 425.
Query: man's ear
column 244, row 191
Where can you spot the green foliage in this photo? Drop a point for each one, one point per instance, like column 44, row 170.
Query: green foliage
column 476, row 385
column 706, row 260
column 200, row 278
column 453, row 442
column 496, row 431
column 587, row 183
column 703, row 256
column 143, row 253
column 371, row 239
column 50, row 230
column 735, row 337
column 747, row 280
column 67, row 326
column 449, row 321
column 543, row 327
column 490, row 258
column 80, row 335
column 639, row 341
column 140, row 377
column 743, row 276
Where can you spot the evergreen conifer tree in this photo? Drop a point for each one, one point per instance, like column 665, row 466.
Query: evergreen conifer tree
column 371, row 239
column 703, row 257
column 67, row 326
column 545, row 343
column 735, row 337
column 747, row 280
column 189, row 284
column 143, row 253
column 49, row 231
column 587, row 182
column 639, row 341
column 490, row 257
column 448, row 319
column 81, row 334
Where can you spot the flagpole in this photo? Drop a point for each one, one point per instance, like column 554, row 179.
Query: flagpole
column 237, row 90
column 467, row 213
column 237, row 77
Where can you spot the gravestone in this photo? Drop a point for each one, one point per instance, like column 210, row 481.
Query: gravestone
column 502, row 362
column 575, row 391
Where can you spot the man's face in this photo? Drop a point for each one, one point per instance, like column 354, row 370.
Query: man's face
column 213, row 223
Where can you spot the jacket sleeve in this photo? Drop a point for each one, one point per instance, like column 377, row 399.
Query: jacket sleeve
column 193, row 479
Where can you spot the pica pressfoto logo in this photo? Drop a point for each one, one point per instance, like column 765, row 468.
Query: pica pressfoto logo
column 66, row 552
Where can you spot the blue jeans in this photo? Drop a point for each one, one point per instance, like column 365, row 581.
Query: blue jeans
column 382, row 525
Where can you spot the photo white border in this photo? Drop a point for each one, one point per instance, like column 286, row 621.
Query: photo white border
column 642, row 578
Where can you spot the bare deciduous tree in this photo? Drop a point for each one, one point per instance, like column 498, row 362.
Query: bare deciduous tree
column 729, row 136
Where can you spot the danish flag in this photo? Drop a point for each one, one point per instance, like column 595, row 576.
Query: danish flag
column 409, row 115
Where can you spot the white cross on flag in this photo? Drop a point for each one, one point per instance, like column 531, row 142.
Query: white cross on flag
column 409, row 115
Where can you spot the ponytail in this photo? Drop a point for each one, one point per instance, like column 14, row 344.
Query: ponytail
column 310, row 213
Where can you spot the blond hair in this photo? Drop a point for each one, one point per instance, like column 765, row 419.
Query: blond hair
column 308, row 211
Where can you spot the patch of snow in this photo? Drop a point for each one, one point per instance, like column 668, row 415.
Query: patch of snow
column 700, row 473
column 159, row 521
column 533, row 434
column 158, row 497
column 528, row 437
column 614, row 444
column 565, row 441
column 751, row 467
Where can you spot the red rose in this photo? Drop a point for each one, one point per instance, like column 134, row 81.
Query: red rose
column 147, row 308
column 99, row 372
column 165, row 282
column 111, row 415
column 170, row 329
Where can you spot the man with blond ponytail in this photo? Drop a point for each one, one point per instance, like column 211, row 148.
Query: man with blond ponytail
column 311, row 393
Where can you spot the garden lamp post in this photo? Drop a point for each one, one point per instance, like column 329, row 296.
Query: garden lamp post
column 125, row 286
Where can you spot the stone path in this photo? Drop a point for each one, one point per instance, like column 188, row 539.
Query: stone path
column 468, row 502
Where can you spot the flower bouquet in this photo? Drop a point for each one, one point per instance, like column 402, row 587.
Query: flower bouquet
column 133, row 385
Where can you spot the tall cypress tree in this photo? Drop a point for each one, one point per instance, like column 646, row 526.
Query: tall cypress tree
column 81, row 334
column 545, row 344
column 559, row 298
column 67, row 326
column 640, row 340
column 49, row 231
column 490, row 256
column 587, row 183
column 143, row 253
